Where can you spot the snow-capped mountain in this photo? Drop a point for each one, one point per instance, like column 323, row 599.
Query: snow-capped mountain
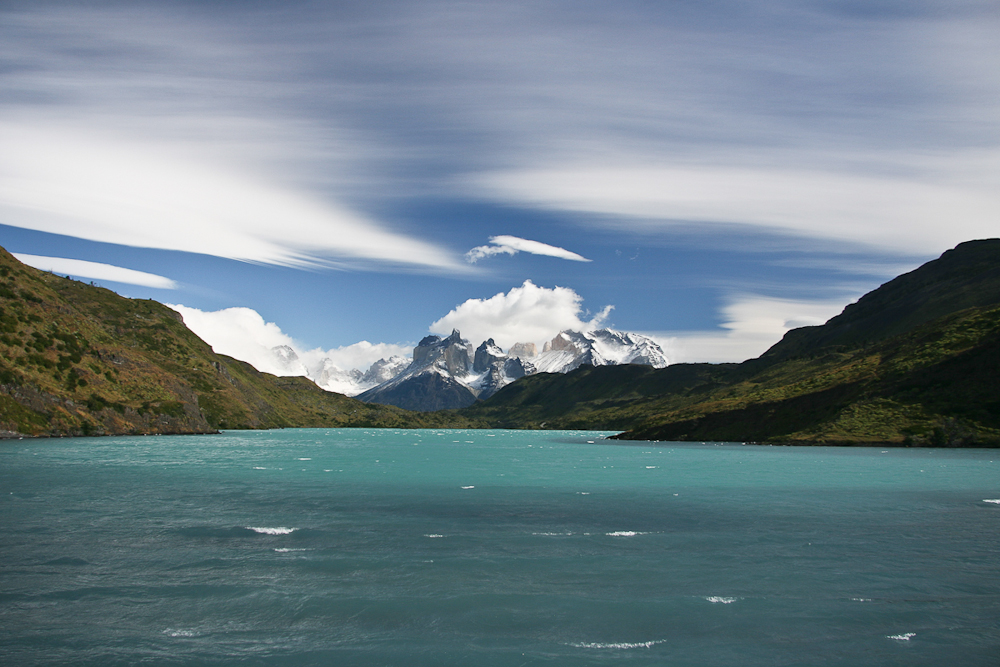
column 604, row 347
column 448, row 373
column 445, row 373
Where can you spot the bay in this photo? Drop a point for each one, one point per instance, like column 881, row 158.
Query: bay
column 441, row 547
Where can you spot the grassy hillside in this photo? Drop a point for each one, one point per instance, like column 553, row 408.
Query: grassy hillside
column 76, row 359
column 915, row 362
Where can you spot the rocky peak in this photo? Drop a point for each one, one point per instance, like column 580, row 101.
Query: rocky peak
column 451, row 353
column 486, row 354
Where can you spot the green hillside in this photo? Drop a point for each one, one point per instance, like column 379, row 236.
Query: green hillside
column 916, row 361
column 76, row 359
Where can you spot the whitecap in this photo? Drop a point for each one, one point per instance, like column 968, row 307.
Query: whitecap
column 905, row 637
column 433, row 535
column 303, row 459
column 552, row 534
column 621, row 645
column 468, row 487
column 651, row 467
column 270, row 531
column 259, row 468
column 714, row 599
column 286, row 550
column 625, row 533
column 171, row 632
column 995, row 501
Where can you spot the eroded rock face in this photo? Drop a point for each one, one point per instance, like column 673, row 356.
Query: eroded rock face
column 486, row 354
column 452, row 352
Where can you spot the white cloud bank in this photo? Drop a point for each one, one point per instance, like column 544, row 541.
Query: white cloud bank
column 936, row 205
column 511, row 245
column 243, row 334
column 753, row 323
column 95, row 270
column 524, row 314
column 84, row 183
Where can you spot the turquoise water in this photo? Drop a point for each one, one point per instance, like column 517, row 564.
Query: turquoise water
column 354, row 547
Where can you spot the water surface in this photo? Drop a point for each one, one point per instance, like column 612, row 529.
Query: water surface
column 394, row 547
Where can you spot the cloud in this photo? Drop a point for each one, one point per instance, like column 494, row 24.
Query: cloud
column 145, row 194
column 511, row 245
column 710, row 114
column 240, row 333
column 243, row 334
column 96, row 271
column 525, row 314
column 900, row 213
column 753, row 323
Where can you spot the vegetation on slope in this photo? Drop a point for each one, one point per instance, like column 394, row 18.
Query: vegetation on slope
column 76, row 359
column 915, row 362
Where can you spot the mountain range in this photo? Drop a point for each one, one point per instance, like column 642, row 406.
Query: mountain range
column 446, row 373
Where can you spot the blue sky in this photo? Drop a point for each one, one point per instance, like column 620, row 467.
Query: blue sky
column 717, row 172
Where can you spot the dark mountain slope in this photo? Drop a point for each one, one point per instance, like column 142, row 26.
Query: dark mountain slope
column 915, row 361
column 77, row 359
column 967, row 276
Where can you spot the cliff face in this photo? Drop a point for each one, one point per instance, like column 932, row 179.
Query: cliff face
column 81, row 360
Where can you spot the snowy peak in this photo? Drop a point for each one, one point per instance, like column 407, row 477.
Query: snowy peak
column 383, row 370
column 486, row 354
column 449, row 354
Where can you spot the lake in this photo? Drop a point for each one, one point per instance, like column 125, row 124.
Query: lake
column 444, row 547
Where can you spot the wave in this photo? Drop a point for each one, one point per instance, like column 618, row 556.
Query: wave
column 715, row 599
column 626, row 533
column 171, row 632
column 620, row 645
column 995, row 501
column 270, row 531
column 905, row 637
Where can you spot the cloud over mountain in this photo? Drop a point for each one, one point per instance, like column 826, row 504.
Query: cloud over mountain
column 528, row 313
column 242, row 333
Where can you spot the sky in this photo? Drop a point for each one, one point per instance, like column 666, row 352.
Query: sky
column 346, row 178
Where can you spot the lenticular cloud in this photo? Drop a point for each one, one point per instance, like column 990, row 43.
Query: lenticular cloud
column 524, row 314
column 511, row 245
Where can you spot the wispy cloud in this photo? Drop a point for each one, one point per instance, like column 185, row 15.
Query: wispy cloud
column 751, row 324
column 525, row 314
column 511, row 245
column 145, row 194
column 813, row 119
column 96, row 271
column 895, row 212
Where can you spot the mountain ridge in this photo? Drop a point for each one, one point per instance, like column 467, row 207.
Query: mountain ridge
column 925, row 374
column 76, row 359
